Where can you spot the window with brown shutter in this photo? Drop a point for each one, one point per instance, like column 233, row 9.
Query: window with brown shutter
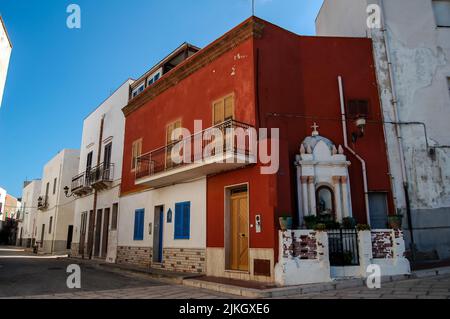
column 169, row 142
column 223, row 109
column 136, row 151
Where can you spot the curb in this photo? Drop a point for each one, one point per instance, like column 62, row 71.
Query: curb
column 307, row 289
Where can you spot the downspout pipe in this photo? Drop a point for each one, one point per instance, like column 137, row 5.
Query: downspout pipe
column 363, row 163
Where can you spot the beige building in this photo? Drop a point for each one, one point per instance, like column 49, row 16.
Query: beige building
column 56, row 211
column 27, row 218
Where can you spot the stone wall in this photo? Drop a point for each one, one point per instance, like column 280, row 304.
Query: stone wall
column 382, row 244
column 183, row 260
column 174, row 259
column 75, row 250
column 136, row 256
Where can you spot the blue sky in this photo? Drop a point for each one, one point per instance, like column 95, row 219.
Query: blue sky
column 57, row 76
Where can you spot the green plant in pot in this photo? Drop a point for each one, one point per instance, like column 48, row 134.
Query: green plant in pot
column 285, row 222
column 363, row 227
column 310, row 221
column 395, row 221
column 348, row 223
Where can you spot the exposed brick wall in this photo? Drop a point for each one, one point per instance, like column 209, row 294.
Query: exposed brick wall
column 303, row 246
column 174, row 259
column 75, row 249
column 382, row 244
column 137, row 256
column 184, row 260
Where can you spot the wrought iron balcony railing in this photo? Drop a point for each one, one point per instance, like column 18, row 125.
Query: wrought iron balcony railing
column 160, row 160
column 81, row 182
column 101, row 175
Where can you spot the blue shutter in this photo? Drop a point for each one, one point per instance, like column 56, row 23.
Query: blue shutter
column 182, row 220
column 139, row 224
column 186, row 220
column 178, row 220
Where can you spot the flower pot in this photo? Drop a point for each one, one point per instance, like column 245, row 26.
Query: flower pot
column 395, row 221
column 285, row 223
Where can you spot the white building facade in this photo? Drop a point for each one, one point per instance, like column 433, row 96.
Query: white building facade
column 27, row 228
column 412, row 55
column 56, row 211
column 96, row 185
column 5, row 55
column 2, row 202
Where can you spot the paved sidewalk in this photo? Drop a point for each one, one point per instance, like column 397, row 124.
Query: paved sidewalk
column 437, row 287
column 155, row 292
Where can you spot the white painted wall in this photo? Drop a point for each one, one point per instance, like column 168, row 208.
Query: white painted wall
column 62, row 167
column 113, row 132
column 194, row 191
column 2, row 202
column 30, row 195
column 5, row 54
column 420, row 56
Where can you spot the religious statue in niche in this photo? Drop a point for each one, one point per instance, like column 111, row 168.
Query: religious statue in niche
column 169, row 216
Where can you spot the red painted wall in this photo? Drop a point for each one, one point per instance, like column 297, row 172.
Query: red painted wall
column 190, row 100
column 294, row 75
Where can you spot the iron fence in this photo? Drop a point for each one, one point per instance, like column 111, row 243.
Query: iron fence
column 343, row 247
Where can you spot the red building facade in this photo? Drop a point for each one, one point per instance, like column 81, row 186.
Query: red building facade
column 270, row 78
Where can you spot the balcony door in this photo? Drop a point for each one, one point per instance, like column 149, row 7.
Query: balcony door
column 170, row 143
column 107, row 161
column 88, row 167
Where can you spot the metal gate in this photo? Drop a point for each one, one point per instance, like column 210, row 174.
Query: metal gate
column 343, row 247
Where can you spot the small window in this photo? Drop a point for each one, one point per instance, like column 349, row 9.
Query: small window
column 54, row 186
column 50, row 225
column 136, row 151
column 357, row 108
column 182, row 220
column 115, row 212
column 441, row 10
column 139, row 224
column 223, row 109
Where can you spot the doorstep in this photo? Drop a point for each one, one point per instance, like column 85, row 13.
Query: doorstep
column 252, row 289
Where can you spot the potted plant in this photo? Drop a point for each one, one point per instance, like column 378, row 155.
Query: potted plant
column 348, row 223
column 320, row 227
column 285, row 222
column 395, row 221
column 363, row 227
column 310, row 221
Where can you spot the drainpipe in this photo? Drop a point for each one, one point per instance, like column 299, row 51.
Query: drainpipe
column 363, row 163
column 92, row 225
column 398, row 128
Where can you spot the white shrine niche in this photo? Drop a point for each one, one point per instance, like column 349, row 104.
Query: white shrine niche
column 322, row 179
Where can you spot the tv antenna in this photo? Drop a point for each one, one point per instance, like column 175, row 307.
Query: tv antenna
column 253, row 7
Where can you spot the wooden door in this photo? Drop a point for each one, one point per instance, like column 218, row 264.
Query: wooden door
column 105, row 232
column 82, row 233
column 239, row 232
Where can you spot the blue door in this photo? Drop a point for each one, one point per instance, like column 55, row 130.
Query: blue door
column 158, row 233
column 161, row 229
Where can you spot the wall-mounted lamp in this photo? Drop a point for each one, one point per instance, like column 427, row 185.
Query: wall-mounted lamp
column 66, row 192
column 361, row 125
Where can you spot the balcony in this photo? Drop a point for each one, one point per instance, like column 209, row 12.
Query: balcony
column 81, row 184
column 102, row 176
column 42, row 202
column 224, row 147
